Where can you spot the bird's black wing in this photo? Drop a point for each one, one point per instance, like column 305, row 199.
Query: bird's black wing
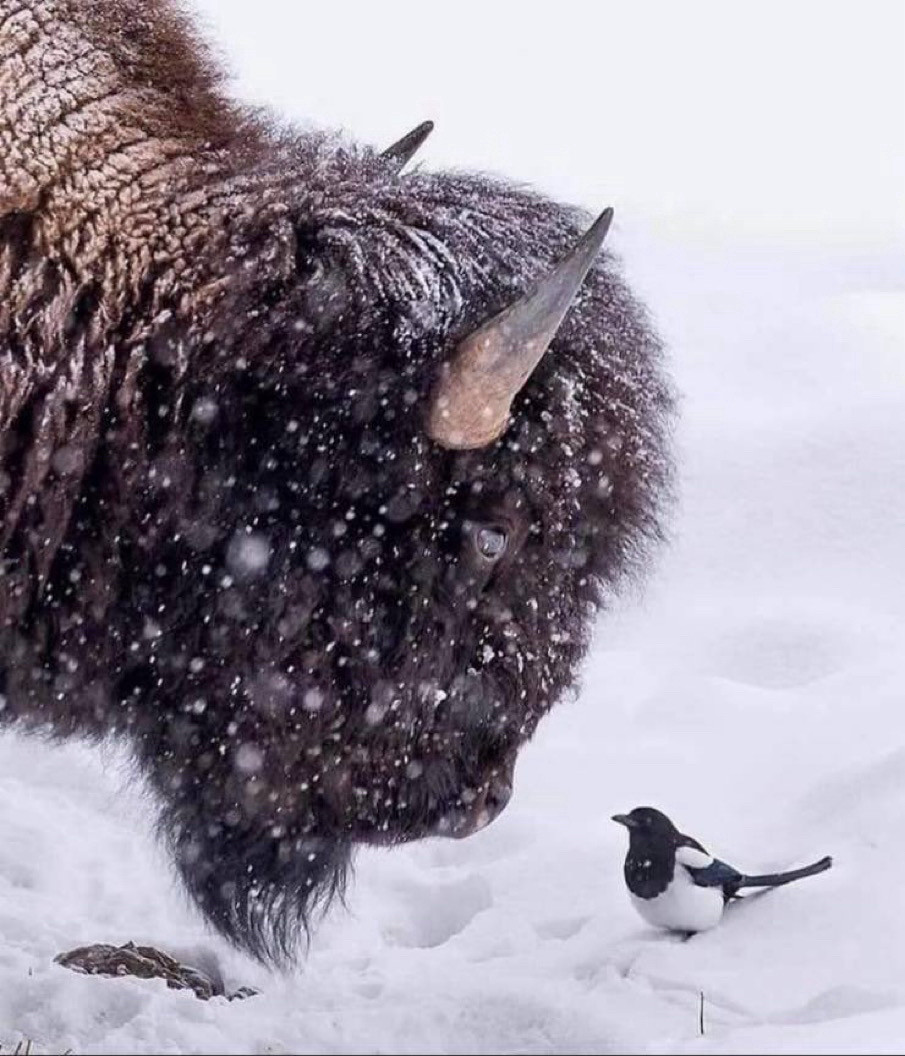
column 717, row 874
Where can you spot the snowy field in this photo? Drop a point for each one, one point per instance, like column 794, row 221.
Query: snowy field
column 754, row 691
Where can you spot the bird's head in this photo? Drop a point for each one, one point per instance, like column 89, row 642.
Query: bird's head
column 647, row 824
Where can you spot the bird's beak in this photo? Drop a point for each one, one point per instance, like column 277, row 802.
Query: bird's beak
column 624, row 819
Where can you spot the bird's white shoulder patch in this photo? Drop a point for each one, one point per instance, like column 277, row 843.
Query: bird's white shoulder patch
column 693, row 858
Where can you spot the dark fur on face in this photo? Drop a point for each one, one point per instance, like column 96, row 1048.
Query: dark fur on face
column 226, row 536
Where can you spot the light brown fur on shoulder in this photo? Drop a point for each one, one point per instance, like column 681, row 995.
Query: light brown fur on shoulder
column 116, row 144
column 106, row 108
column 82, row 81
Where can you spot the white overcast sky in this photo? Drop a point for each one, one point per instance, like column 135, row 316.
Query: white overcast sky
column 761, row 119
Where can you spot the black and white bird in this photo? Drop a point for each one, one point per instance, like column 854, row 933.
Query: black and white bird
column 673, row 881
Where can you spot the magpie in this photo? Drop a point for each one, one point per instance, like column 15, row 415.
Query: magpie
column 673, row 881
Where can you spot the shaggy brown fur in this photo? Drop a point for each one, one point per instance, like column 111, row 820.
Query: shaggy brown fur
column 225, row 536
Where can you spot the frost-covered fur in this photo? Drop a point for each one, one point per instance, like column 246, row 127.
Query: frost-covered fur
column 225, row 535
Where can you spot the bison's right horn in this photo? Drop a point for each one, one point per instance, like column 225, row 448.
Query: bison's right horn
column 403, row 150
column 470, row 406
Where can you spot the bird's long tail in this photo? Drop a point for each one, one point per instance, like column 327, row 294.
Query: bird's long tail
column 777, row 879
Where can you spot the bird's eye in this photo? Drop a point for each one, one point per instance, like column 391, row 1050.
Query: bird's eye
column 491, row 542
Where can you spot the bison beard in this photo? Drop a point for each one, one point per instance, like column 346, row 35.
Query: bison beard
column 228, row 538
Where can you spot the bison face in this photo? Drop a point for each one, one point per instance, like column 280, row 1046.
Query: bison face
column 313, row 474
column 380, row 566
column 357, row 476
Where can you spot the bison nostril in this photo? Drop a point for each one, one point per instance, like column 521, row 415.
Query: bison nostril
column 499, row 792
column 490, row 801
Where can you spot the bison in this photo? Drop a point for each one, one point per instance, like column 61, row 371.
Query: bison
column 314, row 473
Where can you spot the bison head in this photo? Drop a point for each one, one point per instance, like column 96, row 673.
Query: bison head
column 315, row 474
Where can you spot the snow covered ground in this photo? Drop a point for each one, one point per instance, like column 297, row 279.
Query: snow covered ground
column 755, row 692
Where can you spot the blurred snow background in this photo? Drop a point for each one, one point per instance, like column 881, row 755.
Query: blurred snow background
column 755, row 154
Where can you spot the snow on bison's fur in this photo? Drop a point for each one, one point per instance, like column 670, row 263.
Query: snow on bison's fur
column 313, row 472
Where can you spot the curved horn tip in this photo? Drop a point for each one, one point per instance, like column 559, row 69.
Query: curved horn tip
column 606, row 216
column 404, row 149
column 597, row 232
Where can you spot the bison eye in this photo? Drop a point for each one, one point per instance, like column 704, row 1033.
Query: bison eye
column 491, row 542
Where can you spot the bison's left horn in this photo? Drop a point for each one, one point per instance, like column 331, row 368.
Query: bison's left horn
column 403, row 150
column 470, row 405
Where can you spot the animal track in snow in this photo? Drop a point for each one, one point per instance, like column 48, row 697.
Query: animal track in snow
column 435, row 913
column 779, row 654
column 840, row 1002
column 560, row 928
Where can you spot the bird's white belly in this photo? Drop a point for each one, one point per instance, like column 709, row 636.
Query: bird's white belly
column 683, row 906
